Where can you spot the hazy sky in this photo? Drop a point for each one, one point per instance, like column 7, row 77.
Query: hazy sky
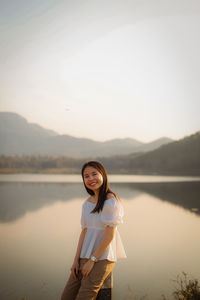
column 102, row 69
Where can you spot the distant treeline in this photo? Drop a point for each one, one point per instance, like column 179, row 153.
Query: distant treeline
column 49, row 164
column 39, row 164
column 137, row 163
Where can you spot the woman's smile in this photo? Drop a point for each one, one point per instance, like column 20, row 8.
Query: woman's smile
column 93, row 183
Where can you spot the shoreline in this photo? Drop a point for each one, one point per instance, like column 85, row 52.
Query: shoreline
column 73, row 171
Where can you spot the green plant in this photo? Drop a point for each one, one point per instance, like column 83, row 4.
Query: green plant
column 188, row 289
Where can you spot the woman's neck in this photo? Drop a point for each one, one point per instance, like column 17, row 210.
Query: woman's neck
column 96, row 195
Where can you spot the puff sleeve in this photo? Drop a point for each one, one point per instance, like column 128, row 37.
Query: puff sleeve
column 112, row 213
column 83, row 217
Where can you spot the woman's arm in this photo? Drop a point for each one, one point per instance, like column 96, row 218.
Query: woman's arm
column 75, row 265
column 105, row 241
column 80, row 243
column 103, row 245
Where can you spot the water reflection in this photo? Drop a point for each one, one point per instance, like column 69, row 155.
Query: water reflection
column 19, row 198
column 184, row 194
column 40, row 226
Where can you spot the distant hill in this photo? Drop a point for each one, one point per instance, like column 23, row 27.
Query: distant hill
column 19, row 137
column 181, row 157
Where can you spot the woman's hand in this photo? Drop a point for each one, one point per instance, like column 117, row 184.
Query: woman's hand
column 87, row 267
column 74, row 269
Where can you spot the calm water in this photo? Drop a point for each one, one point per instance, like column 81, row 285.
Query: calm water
column 40, row 226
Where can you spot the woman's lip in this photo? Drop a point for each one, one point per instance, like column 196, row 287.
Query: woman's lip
column 92, row 184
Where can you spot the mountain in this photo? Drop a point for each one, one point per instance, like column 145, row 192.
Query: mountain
column 19, row 137
column 181, row 157
column 154, row 145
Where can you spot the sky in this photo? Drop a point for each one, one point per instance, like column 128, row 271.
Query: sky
column 102, row 69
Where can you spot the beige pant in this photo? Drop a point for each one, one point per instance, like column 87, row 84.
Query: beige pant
column 87, row 288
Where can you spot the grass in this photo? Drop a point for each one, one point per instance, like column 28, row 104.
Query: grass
column 185, row 289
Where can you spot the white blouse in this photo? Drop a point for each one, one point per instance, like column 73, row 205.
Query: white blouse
column 95, row 223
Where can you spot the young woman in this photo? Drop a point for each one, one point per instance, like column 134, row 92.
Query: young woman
column 99, row 244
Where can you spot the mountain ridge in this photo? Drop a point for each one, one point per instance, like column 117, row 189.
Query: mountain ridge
column 18, row 136
column 180, row 157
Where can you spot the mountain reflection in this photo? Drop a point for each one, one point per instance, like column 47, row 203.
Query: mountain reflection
column 184, row 194
column 19, row 198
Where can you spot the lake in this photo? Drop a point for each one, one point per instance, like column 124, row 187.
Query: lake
column 40, row 226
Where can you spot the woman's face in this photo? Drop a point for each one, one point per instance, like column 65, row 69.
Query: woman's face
column 92, row 178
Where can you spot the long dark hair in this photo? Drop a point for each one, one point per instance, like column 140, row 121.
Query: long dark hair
column 104, row 189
